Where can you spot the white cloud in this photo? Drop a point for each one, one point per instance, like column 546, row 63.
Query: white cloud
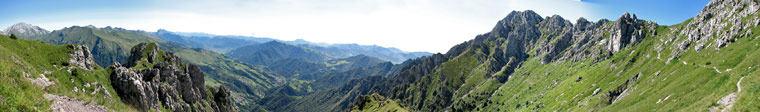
column 411, row 25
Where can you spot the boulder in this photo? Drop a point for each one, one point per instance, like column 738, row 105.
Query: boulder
column 81, row 57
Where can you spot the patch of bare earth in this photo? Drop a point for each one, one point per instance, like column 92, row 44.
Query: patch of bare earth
column 42, row 81
column 63, row 103
column 727, row 102
column 66, row 104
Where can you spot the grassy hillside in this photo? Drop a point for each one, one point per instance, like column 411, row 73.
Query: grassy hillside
column 25, row 63
column 109, row 45
column 708, row 63
column 694, row 81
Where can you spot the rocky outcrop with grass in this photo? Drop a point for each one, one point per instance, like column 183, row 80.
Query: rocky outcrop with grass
column 154, row 80
column 81, row 57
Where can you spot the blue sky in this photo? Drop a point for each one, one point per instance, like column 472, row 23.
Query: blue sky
column 665, row 12
column 392, row 23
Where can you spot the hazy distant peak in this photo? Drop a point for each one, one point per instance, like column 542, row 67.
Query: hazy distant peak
column 24, row 30
column 22, row 24
column 193, row 34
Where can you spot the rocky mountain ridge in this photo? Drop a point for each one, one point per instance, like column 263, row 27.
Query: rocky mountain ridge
column 516, row 38
column 722, row 20
column 529, row 63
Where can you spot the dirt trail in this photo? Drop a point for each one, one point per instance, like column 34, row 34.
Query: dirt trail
column 739, row 85
column 727, row 102
column 63, row 103
column 66, row 104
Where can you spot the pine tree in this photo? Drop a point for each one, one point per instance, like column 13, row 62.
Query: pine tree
column 13, row 36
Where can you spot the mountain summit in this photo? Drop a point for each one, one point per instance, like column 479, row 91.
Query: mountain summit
column 25, row 30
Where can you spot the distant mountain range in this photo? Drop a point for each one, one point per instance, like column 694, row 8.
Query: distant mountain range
column 225, row 44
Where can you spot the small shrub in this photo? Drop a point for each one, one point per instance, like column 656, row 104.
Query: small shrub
column 75, row 72
column 13, row 36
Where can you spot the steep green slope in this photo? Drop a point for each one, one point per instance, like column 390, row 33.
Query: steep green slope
column 529, row 63
column 632, row 83
column 30, row 71
column 110, row 45
column 674, row 70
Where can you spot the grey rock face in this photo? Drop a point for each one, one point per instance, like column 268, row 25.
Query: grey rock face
column 81, row 57
column 24, row 30
column 130, row 87
column 562, row 41
column 520, row 33
column 626, row 30
column 722, row 21
column 153, row 78
column 556, row 39
column 560, row 34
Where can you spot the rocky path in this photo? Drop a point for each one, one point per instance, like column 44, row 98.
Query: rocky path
column 739, row 85
column 63, row 103
column 727, row 102
column 66, row 104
